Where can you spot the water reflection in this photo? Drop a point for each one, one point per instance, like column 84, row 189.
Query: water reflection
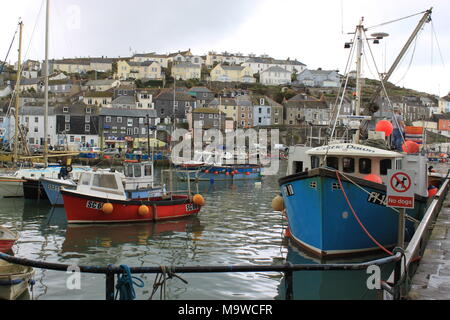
column 84, row 238
column 330, row 285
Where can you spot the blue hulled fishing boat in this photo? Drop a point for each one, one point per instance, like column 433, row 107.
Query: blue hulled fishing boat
column 334, row 196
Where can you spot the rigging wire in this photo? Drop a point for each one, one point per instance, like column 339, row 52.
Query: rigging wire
column 384, row 86
column 9, row 50
column 396, row 20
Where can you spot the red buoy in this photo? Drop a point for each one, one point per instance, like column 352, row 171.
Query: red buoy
column 432, row 192
column 374, row 178
column 411, row 147
column 385, row 126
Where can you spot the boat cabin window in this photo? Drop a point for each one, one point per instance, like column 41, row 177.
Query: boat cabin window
column 298, row 166
column 333, row 162
column 129, row 171
column 137, row 171
column 85, row 179
column 365, row 166
column 398, row 164
column 315, row 162
column 348, row 165
column 107, row 181
column 148, row 169
column 385, row 165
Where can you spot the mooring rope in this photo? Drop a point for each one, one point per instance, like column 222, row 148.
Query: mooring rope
column 357, row 218
column 125, row 284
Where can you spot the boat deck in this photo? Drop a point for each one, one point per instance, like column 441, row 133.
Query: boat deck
column 432, row 278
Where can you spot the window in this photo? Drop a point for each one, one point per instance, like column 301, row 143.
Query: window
column 148, row 170
column 108, row 120
column 261, row 102
column 365, row 166
column 36, row 119
column 107, row 181
column 66, row 109
column 137, row 171
column 130, row 122
column 141, row 120
column 315, row 162
column 67, row 118
column 119, row 119
column 85, row 179
column 385, row 165
column 398, row 164
column 348, row 165
column 333, row 162
column 67, row 128
column 87, row 119
column 202, row 116
column 72, row 139
column 87, row 127
column 89, row 110
column 129, row 131
column 36, row 129
column 136, row 131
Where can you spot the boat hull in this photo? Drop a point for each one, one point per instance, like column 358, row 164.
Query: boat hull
column 11, row 187
column 52, row 189
column 86, row 209
column 221, row 174
column 33, row 189
column 14, row 280
column 7, row 239
column 321, row 221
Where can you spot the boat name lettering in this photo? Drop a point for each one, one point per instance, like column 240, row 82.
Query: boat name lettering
column 377, row 198
column 94, row 205
column 191, row 207
column 54, row 187
column 345, row 148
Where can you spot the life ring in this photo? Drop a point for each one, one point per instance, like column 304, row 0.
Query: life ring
column 69, row 169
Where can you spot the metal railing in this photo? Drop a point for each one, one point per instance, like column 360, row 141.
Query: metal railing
column 288, row 269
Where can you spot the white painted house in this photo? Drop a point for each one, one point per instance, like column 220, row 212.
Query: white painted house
column 275, row 76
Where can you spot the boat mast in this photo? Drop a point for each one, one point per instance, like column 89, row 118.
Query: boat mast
column 16, row 115
column 46, row 71
column 359, row 43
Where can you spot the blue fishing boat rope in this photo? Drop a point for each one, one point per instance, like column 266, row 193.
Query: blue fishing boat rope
column 125, row 284
column 357, row 218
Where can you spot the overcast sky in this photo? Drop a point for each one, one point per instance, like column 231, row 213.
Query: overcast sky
column 314, row 32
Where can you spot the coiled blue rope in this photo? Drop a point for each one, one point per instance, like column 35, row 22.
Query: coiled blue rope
column 125, row 284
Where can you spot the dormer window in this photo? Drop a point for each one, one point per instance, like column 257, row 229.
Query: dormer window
column 89, row 110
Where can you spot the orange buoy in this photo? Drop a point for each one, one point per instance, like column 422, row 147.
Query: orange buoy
column 432, row 192
column 411, row 147
column 385, row 126
column 287, row 232
column 107, row 208
column 199, row 200
column 143, row 211
column 373, row 178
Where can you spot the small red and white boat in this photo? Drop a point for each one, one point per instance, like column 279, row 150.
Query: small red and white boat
column 7, row 239
column 100, row 197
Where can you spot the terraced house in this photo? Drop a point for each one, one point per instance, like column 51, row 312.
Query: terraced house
column 138, row 70
column 233, row 73
column 77, row 124
column 305, row 109
column 266, row 112
column 125, row 128
column 186, row 71
column 169, row 105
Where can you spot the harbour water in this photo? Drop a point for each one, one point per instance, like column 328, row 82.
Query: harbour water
column 236, row 227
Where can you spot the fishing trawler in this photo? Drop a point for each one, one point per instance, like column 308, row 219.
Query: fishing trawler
column 334, row 196
column 101, row 197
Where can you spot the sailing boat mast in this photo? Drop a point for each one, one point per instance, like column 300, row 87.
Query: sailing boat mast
column 359, row 44
column 16, row 116
column 46, row 71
